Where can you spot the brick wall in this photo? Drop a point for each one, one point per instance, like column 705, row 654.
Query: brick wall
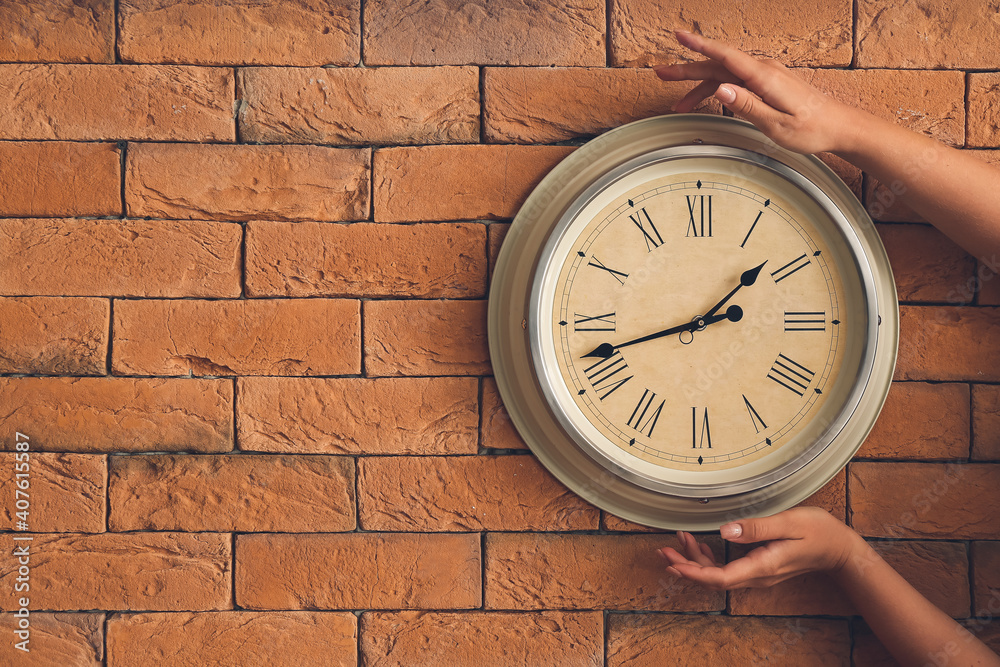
column 243, row 282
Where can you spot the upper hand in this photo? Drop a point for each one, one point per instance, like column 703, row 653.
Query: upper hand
column 799, row 540
column 788, row 110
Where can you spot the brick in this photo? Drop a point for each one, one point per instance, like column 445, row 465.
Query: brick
column 644, row 640
column 984, row 110
column 149, row 571
column 495, row 424
column 986, row 578
column 66, row 31
column 119, row 414
column 845, row 171
column 832, row 496
column 921, row 421
column 501, row 32
column 66, row 491
column 542, row 105
column 466, row 493
column 483, row 639
column 985, row 422
column 426, row 338
column 641, row 31
column 922, row 36
column 245, row 493
column 434, row 260
column 386, row 105
column 120, row 257
column 623, row 572
column 948, row 343
column 925, row 500
column 358, row 415
column 938, row 570
column 52, row 335
column 268, row 32
column 927, row 265
column 245, row 182
column 53, row 179
column 358, row 571
column 88, row 102
column 63, row 639
column 259, row 337
column 458, row 182
column 234, row 638
column 497, row 233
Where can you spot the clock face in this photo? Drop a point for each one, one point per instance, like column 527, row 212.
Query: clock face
column 700, row 322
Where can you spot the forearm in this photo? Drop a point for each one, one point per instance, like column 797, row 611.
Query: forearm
column 957, row 193
column 914, row 630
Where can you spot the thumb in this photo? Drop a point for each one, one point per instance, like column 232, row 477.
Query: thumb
column 748, row 106
column 747, row 531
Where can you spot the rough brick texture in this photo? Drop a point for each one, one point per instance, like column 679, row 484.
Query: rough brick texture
column 986, row 422
column 56, row 639
column 66, row 31
column 948, row 343
column 51, row 336
column 926, row 265
column 921, row 421
column 986, row 584
column 66, row 491
column 984, row 110
column 60, row 178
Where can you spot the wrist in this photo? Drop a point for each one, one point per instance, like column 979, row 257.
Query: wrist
column 855, row 557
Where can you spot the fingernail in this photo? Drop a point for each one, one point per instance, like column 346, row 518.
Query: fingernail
column 726, row 94
column 661, row 554
column 672, row 570
column 731, row 531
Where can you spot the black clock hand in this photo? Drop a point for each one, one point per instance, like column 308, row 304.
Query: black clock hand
column 733, row 314
column 748, row 278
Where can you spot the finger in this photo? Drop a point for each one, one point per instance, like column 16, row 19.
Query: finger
column 740, row 573
column 696, row 95
column 674, row 557
column 697, row 554
column 781, row 526
column 741, row 65
column 696, row 71
column 707, row 550
column 748, row 106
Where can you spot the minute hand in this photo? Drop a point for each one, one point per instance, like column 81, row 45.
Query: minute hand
column 605, row 350
column 748, row 278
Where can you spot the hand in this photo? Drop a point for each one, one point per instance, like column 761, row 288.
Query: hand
column 748, row 278
column 733, row 314
column 788, row 110
column 799, row 540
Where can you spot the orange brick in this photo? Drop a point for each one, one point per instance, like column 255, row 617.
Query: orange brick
column 502, row 32
column 243, row 492
column 63, row 639
column 911, row 35
column 234, row 638
column 149, row 571
column 498, row 232
column 119, row 257
column 984, row 110
column 358, row 416
column 386, row 105
column 497, row 428
column 624, row 572
column 358, row 571
column 51, row 179
column 921, row 421
column 63, row 31
column 927, row 265
column 938, row 570
column 641, row 31
column 847, row 172
column 985, row 422
column 87, row 102
column 484, row 639
column 948, row 343
column 458, row 182
column 434, row 260
column 645, row 640
column 986, row 578
column 832, row 496
column 267, row 32
column 53, row 335
column 989, row 285
column 66, row 491
column 119, row 414
column 245, row 182
column 459, row 493
column 426, row 338
column 925, row 500
column 259, row 337
column 541, row 105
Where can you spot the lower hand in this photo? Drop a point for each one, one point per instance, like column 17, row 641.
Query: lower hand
column 799, row 540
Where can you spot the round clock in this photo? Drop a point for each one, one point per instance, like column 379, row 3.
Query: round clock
column 689, row 324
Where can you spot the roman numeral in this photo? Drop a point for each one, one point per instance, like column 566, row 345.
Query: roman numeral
column 618, row 275
column 790, row 268
column 594, row 323
column 641, row 409
column 706, row 433
column 754, row 417
column 651, row 243
column 702, row 206
column 606, row 375
column 791, row 375
column 805, row 320
column 747, row 237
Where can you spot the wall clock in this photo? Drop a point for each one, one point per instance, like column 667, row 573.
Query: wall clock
column 689, row 324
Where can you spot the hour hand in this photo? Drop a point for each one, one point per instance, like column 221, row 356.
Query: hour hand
column 733, row 314
column 748, row 278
